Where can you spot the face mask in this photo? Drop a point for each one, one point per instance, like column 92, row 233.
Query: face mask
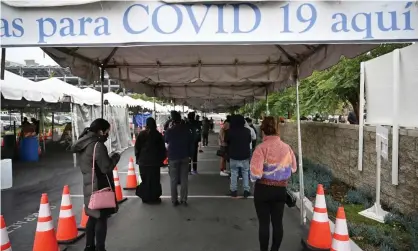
column 103, row 138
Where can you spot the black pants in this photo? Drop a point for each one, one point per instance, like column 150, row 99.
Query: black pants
column 269, row 203
column 195, row 150
column 96, row 229
column 205, row 138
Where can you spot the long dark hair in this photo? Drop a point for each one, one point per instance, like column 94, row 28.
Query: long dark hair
column 151, row 125
column 96, row 126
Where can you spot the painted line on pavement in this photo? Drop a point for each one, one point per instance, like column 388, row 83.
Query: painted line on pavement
column 169, row 197
column 28, row 219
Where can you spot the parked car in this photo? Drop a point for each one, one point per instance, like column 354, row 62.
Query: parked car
column 8, row 120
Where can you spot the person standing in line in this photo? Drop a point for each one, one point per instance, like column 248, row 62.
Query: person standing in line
column 196, row 135
column 150, row 153
column 181, row 145
column 238, row 139
column 250, row 123
column 212, row 124
column 224, row 148
column 272, row 165
column 199, row 125
column 205, row 132
column 89, row 145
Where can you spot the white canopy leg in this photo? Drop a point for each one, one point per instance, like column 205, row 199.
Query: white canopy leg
column 301, row 183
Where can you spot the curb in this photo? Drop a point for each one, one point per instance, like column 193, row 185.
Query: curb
column 308, row 205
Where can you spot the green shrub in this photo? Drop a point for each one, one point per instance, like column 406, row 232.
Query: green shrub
column 332, row 205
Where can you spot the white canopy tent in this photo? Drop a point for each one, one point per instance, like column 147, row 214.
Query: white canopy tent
column 61, row 88
column 213, row 54
column 115, row 99
column 15, row 87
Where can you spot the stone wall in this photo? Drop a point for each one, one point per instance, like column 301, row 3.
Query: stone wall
column 336, row 146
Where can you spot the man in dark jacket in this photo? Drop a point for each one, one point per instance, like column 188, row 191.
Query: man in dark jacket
column 180, row 149
column 238, row 139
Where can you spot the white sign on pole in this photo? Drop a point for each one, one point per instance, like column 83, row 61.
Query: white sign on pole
column 376, row 212
column 140, row 22
column 382, row 136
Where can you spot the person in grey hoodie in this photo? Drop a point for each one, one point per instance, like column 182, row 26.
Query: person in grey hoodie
column 97, row 133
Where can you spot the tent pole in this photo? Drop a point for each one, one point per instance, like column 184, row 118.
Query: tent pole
column 267, row 103
column 155, row 113
column 102, row 69
column 395, row 128
column 300, row 156
column 73, row 122
column 3, row 62
column 52, row 125
column 361, row 119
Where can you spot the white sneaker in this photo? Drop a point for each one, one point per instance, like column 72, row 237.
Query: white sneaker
column 224, row 174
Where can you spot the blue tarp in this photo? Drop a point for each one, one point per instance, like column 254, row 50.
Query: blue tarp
column 140, row 119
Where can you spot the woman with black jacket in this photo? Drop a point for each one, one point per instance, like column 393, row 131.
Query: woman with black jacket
column 93, row 139
column 150, row 153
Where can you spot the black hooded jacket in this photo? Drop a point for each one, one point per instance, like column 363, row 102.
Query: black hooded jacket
column 104, row 165
column 238, row 139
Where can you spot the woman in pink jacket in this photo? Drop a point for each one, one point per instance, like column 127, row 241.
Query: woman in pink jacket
column 272, row 164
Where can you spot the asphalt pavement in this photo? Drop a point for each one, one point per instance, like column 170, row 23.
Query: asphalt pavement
column 213, row 221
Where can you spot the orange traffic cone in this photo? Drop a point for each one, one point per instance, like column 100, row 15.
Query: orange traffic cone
column 118, row 189
column 340, row 240
column 5, row 242
column 84, row 219
column 319, row 237
column 67, row 227
column 133, row 139
column 45, row 239
column 131, row 181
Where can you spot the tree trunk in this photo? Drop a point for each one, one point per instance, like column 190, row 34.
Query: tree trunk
column 356, row 108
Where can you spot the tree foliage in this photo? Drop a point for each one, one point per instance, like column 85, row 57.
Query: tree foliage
column 325, row 92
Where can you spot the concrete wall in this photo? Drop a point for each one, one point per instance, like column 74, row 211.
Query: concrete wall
column 336, row 146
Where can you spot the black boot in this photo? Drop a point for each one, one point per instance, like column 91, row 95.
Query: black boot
column 90, row 248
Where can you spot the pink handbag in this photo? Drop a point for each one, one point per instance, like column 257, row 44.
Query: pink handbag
column 104, row 198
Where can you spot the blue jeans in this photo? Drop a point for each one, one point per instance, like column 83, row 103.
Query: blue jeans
column 235, row 166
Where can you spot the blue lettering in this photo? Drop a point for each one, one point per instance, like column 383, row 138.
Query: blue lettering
column 393, row 26
column 221, row 19
column 256, row 11
column 343, row 23
column 126, row 24
column 407, row 15
column 16, row 29
column 5, row 28
column 192, row 17
column 67, row 30
column 83, row 21
column 367, row 24
column 103, row 28
column 311, row 19
column 155, row 19
column 51, row 27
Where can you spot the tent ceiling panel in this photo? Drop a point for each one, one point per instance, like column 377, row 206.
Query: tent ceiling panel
column 205, row 71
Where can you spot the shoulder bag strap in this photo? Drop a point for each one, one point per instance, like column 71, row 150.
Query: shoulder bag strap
column 93, row 167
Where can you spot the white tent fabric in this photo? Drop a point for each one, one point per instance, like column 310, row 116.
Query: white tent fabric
column 15, row 87
column 115, row 100
column 218, row 73
column 130, row 101
column 61, row 88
